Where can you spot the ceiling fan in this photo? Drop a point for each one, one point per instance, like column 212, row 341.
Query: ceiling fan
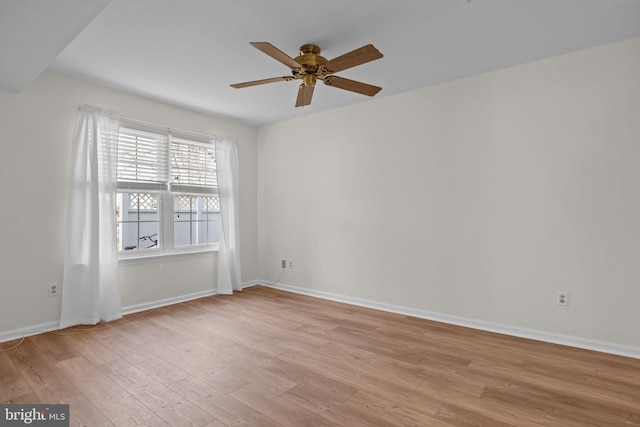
column 310, row 67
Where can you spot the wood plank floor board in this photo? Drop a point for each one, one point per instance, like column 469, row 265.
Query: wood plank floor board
column 270, row 358
column 224, row 327
column 451, row 343
column 497, row 412
column 580, row 389
column 174, row 331
column 281, row 410
column 49, row 383
column 28, row 356
column 627, row 376
column 297, row 374
column 443, row 360
column 55, row 347
column 30, row 398
column 515, row 415
column 251, row 301
column 347, row 318
column 394, row 411
column 95, row 351
column 135, row 333
column 384, row 381
column 393, row 369
column 84, row 413
column 38, row 368
column 439, row 382
column 354, row 376
column 460, row 416
column 547, row 355
column 270, row 328
column 300, row 317
column 225, row 380
column 323, row 317
column 117, row 343
column 214, row 356
column 266, row 317
column 557, row 404
column 160, row 399
column 178, row 358
column 324, row 404
column 222, row 406
column 268, row 381
column 12, row 383
column 155, row 366
column 206, row 336
column 619, row 388
column 372, row 342
column 411, row 328
column 156, row 422
column 365, row 340
column 222, row 368
column 120, row 407
column 287, row 299
column 277, row 333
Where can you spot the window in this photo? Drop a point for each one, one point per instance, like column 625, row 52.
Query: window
column 195, row 220
column 138, row 221
column 167, row 196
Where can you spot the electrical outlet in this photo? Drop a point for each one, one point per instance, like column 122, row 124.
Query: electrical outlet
column 53, row 290
column 563, row 298
column 284, row 264
column 290, row 264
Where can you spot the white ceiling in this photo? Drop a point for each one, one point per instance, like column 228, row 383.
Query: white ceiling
column 188, row 52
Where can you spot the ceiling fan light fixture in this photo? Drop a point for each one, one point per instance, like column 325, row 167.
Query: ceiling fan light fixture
column 309, row 67
column 310, row 80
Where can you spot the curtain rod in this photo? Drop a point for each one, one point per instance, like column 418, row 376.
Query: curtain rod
column 169, row 128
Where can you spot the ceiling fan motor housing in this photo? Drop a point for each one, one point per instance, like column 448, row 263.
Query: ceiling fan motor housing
column 310, row 60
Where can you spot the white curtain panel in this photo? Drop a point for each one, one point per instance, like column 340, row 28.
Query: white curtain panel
column 90, row 291
column 229, row 253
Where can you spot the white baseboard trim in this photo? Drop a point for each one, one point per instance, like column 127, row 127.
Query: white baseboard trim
column 550, row 337
column 53, row 326
column 130, row 309
column 16, row 334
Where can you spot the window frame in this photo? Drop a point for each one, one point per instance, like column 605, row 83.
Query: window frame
column 166, row 192
column 201, row 222
column 138, row 221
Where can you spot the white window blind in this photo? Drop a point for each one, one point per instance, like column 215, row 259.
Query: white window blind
column 142, row 160
column 193, row 167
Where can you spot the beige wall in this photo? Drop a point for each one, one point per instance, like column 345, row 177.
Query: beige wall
column 36, row 128
column 479, row 199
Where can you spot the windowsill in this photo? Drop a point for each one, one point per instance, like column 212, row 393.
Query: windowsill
column 150, row 257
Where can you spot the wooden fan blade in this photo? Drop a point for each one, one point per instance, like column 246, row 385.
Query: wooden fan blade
column 304, row 95
column 352, row 85
column 355, row 57
column 261, row 82
column 276, row 54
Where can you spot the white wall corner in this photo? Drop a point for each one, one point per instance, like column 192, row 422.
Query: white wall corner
column 251, row 283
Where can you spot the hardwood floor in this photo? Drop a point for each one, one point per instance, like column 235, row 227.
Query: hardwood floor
column 269, row 358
